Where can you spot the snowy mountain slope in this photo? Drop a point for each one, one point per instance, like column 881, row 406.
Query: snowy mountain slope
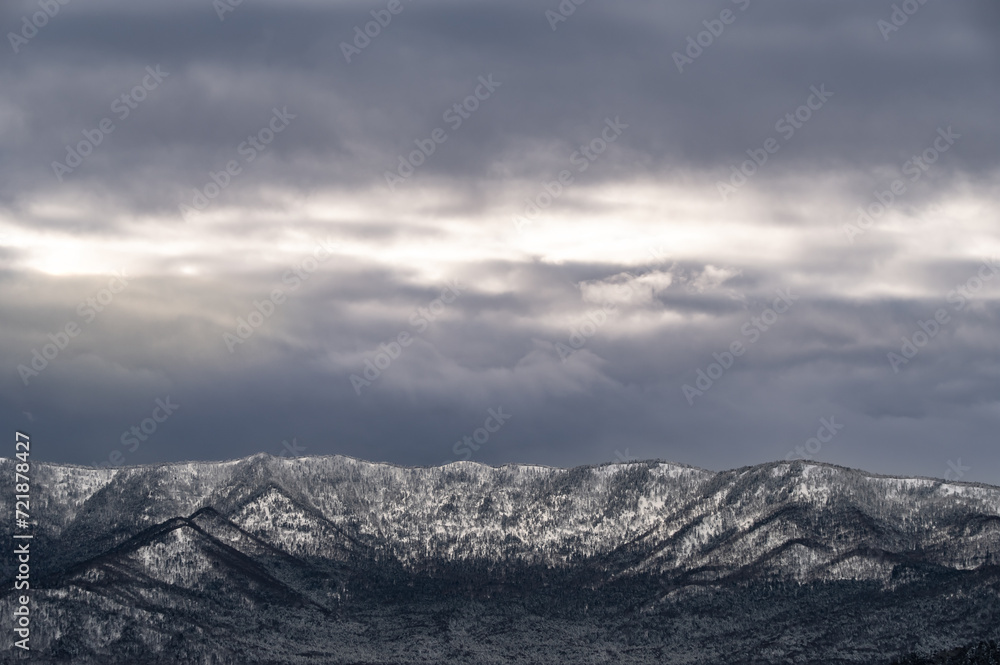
column 218, row 559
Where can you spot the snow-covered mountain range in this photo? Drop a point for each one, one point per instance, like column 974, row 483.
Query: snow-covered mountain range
column 332, row 559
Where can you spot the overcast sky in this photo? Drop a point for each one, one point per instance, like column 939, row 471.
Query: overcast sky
column 545, row 206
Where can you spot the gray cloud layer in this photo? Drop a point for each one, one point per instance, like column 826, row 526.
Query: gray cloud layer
column 645, row 220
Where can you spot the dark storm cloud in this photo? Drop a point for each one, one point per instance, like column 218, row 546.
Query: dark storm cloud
column 498, row 343
column 622, row 390
column 355, row 119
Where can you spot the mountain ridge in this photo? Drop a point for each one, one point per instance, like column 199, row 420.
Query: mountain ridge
column 635, row 555
column 597, row 465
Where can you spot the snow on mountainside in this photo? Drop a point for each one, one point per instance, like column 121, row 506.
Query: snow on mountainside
column 155, row 560
column 686, row 517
